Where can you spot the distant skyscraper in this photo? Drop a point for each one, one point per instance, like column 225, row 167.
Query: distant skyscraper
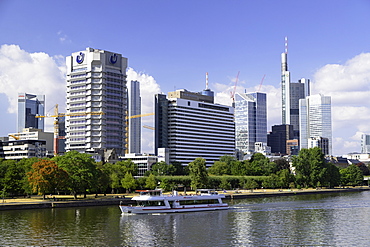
column 190, row 125
column 134, row 123
column 365, row 143
column 291, row 93
column 285, row 87
column 96, row 83
column 250, row 121
column 315, row 119
column 29, row 106
column 278, row 137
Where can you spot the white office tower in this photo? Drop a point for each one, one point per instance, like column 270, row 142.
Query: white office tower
column 189, row 125
column 134, row 124
column 250, row 121
column 96, row 101
column 365, row 143
column 315, row 119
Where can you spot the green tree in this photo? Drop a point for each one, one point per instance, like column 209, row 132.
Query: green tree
column 352, row 176
column 128, row 182
column 282, row 164
column 46, row 177
column 250, row 184
column 162, row 169
column 180, row 169
column 103, row 181
column 260, row 165
column 239, row 168
column 285, row 178
column 198, row 173
column 151, row 182
column 219, row 168
column 26, row 164
column 225, row 184
column 81, row 169
column 12, row 175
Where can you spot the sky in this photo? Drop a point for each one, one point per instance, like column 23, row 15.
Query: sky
column 171, row 45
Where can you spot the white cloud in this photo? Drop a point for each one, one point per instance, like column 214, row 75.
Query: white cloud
column 63, row 38
column 34, row 73
column 349, row 87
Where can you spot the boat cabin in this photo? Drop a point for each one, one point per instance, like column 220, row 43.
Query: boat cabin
column 150, row 192
column 206, row 192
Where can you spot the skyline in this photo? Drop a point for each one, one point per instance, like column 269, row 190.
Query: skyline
column 171, row 46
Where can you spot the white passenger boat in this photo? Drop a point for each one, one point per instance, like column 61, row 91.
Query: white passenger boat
column 153, row 201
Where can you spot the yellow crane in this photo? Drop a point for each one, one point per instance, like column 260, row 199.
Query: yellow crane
column 57, row 115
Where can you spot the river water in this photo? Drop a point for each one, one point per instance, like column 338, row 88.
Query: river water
column 341, row 219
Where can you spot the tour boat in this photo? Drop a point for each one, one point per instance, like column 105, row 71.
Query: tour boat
column 154, row 201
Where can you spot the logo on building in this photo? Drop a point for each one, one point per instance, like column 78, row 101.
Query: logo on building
column 80, row 58
column 113, row 59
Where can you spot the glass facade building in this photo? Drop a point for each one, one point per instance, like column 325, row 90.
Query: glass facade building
column 250, row 121
column 315, row 119
column 365, row 143
column 134, row 123
column 29, row 106
column 96, row 102
column 190, row 126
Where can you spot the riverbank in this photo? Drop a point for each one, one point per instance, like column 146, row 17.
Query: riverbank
column 61, row 201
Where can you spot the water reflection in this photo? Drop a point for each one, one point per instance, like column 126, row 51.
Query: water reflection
column 310, row 220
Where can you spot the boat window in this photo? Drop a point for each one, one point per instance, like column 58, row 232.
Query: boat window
column 150, row 203
column 192, row 202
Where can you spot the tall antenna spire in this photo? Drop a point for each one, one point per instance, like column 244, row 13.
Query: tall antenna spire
column 206, row 80
column 286, row 45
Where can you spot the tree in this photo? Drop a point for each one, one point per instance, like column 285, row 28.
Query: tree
column 281, row 164
column 128, row 182
column 12, row 175
column 259, row 165
column 26, row 165
column 46, row 177
column 162, row 169
column 103, row 178
column 352, row 176
column 151, row 182
column 81, row 169
column 225, row 184
column 198, row 173
column 285, row 178
column 311, row 168
column 219, row 168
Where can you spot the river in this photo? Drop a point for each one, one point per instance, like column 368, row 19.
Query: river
column 338, row 219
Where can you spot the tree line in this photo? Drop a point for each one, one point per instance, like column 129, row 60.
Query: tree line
column 78, row 173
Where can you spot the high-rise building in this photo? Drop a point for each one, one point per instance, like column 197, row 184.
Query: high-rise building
column 320, row 142
column 250, row 121
column 315, row 119
column 29, row 106
column 97, row 95
column 291, row 93
column 299, row 90
column 190, row 125
column 365, row 143
column 134, row 142
column 277, row 138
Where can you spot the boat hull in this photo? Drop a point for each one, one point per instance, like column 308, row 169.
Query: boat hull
column 164, row 210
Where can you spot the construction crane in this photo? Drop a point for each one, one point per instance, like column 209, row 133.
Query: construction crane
column 232, row 94
column 148, row 127
column 58, row 115
column 127, row 125
column 263, row 78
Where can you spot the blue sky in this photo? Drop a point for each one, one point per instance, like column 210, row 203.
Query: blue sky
column 172, row 44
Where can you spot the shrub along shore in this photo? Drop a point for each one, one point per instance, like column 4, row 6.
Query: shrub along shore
column 56, row 201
